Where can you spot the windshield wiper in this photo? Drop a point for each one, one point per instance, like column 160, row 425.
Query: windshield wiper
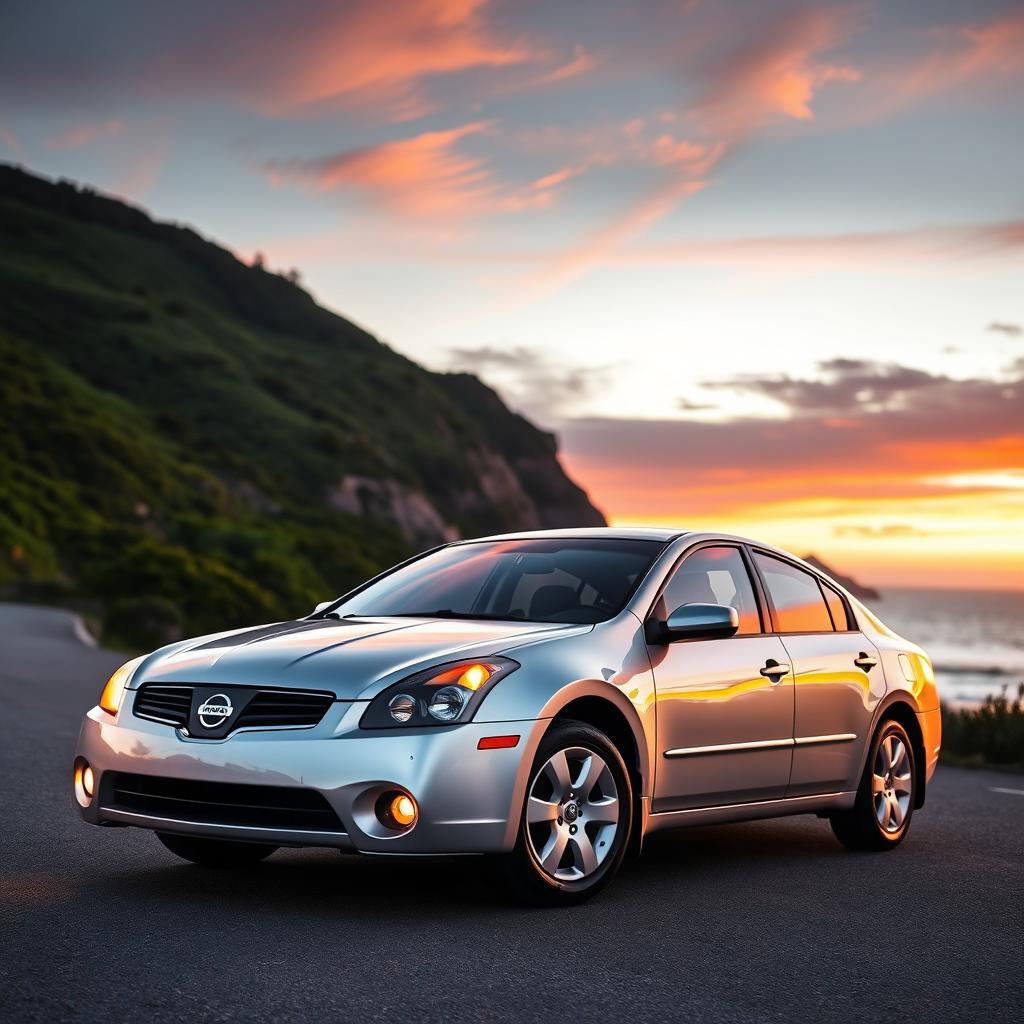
column 448, row 613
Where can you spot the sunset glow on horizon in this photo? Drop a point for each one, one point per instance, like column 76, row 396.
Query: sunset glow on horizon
column 759, row 267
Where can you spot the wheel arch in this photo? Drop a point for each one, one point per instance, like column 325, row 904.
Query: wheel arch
column 897, row 707
column 618, row 720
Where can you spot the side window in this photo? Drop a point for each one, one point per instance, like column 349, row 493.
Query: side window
column 836, row 606
column 799, row 604
column 714, row 576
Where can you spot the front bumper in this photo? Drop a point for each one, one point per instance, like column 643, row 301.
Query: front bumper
column 469, row 799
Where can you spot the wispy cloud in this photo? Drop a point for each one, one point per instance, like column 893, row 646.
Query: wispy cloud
column 377, row 57
column 963, row 53
column 886, row 531
column 1010, row 330
column 778, row 74
column 382, row 52
column 78, row 135
column 582, row 61
column 530, row 379
column 425, row 175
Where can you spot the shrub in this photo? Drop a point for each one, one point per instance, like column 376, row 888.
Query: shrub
column 989, row 736
column 142, row 623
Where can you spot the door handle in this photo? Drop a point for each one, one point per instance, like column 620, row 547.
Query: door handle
column 775, row 670
column 865, row 661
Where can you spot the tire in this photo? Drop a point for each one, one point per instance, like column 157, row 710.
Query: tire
column 215, row 853
column 568, row 848
column 880, row 816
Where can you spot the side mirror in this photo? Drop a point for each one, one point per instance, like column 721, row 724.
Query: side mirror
column 322, row 605
column 695, row 622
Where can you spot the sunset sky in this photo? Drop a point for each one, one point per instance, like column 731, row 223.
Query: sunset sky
column 759, row 265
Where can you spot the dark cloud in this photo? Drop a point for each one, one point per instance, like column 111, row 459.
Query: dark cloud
column 845, row 386
column 917, row 428
column 1001, row 327
column 533, row 383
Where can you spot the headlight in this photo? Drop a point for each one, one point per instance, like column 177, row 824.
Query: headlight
column 110, row 698
column 442, row 695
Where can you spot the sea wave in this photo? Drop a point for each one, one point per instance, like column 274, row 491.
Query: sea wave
column 959, row 660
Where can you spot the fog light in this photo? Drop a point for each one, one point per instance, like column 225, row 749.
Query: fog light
column 403, row 810
column 397, row 810
column 84, row 782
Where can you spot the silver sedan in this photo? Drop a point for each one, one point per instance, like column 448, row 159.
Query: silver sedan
column 547, row 699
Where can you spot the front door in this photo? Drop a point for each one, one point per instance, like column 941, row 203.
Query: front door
column 724, row 707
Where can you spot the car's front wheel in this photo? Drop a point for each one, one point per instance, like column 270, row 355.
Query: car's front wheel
column 576, row 818
column 215, row 853
column 881, row 814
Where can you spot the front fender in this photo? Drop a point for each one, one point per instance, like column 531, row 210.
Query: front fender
column 643, row 737
column 609, row 663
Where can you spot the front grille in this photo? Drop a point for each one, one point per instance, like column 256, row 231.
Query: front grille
column 220, row 803
column 163, row 703
column 284, row 707
column 254, row 708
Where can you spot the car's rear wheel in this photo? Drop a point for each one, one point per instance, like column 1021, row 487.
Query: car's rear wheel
column 881, row 814
column 576, row 818
column 215, row 853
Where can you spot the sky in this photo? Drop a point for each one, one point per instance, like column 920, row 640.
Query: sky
column 759, row 266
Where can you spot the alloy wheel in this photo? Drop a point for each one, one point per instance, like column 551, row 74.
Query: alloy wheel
column 572, row 813
column 892, row 784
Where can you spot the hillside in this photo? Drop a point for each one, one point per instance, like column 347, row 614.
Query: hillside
column 194, row 443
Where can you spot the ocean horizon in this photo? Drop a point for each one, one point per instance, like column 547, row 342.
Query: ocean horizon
column 975, row 637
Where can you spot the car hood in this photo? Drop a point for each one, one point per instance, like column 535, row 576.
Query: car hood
column 353, row 658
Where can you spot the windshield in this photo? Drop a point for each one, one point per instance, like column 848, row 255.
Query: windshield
column 571, row 580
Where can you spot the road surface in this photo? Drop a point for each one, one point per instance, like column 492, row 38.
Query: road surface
column 768, row 921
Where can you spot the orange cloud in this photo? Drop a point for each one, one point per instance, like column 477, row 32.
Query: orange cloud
column 421, row 176
column 78, row 135
column 374, row 55
column 779, row 74
column 581, row 63
column 966, row 52
column 856, row 429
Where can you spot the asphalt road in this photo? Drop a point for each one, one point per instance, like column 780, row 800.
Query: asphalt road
column 755, row 922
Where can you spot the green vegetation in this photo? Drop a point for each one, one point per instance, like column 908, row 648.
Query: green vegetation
column 991, row 736
column 173, row 424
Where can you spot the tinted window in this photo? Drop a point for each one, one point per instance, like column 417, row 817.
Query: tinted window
column 799, row 604
column 536, row 580
column 713, row 576
column 836, row 607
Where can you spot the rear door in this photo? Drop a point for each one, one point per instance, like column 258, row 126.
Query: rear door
column 838, row 679
column 724, row 707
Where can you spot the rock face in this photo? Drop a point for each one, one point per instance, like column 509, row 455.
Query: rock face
column 518, row 470
column 414, row 516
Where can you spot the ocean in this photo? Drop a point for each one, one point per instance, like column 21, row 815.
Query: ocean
column 975, row 637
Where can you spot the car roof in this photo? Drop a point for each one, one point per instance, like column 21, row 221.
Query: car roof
column 591, row 533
